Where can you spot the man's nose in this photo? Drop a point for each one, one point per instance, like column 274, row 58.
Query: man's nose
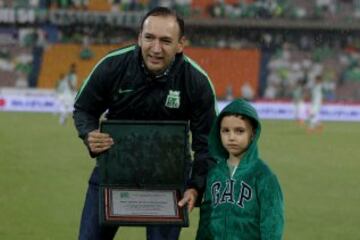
column 156, row 46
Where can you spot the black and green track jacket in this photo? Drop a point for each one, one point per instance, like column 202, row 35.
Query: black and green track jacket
column 247, row 205
column 120, row 86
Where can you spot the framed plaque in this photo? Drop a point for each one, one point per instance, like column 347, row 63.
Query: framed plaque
column 143, row 175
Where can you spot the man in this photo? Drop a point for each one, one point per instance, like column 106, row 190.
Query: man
column 150, row 81
column 314, row 122
column 298, row 100
column 66, row 92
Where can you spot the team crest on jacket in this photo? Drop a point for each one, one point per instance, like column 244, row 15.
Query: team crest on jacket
column 173, row 99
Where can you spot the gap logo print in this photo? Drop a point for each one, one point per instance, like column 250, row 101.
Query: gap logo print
column 173, row 99
column 226, row 194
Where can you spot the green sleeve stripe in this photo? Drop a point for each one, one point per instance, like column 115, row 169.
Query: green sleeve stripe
column 114, row 53
column 197, row 66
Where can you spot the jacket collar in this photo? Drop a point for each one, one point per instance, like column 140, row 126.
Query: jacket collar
column 162, row 77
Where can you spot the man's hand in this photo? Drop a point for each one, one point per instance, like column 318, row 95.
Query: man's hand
column 189, row 198
column 99, row 142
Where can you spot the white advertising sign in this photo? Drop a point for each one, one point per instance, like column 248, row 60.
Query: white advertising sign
column 37, row 100
column 286, row 110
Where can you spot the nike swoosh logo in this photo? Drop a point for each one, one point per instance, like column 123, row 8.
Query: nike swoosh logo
column 121, row 91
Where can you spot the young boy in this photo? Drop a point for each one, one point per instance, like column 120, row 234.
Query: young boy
column 243, row 198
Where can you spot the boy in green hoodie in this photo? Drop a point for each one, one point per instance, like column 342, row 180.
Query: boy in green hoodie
column 243, row 198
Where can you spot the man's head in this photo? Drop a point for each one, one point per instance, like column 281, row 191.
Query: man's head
column 318, row 79
column 161, row 37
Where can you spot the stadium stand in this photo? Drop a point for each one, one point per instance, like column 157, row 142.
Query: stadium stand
column 251, row 37
column 238, row 66
column 15, row 65
column 58, row 58
column 99, row 5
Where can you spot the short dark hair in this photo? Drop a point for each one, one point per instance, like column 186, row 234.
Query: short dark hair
column 165, row 12
column 252, row 121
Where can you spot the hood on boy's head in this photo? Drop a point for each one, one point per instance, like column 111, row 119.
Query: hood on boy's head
column 238, row 106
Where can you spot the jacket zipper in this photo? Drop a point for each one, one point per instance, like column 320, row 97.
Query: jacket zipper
column 228, row 208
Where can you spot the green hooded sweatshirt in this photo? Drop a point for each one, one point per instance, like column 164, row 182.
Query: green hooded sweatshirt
column 248, row 205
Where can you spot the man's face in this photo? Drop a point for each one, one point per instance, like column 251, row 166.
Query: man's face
column 159, row 41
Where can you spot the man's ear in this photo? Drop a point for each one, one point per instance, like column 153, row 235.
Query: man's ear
column 139, row 39
column 181, row 44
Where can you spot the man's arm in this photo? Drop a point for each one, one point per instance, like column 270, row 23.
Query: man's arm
column 90, row 103
column 202, row 118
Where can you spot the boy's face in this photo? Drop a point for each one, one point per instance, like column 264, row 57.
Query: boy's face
column 236, row 134
column 160, row 41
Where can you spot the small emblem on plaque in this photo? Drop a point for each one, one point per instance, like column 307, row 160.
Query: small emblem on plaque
column 124, row 195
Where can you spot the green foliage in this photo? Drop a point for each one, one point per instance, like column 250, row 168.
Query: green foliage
column 45, row 167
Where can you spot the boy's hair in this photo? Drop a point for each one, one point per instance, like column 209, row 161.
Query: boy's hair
column 165, row 12
column 253, row 123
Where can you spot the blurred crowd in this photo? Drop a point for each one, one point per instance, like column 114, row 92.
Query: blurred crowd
column 290, row 9
column 290, row 56
column 232, row 9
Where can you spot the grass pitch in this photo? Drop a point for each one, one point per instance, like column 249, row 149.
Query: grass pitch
column 44, row 169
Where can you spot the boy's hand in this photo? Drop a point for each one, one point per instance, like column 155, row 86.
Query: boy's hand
column 189, row 198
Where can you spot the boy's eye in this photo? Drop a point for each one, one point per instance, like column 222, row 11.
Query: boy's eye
column 224, row 130
column 239, row 130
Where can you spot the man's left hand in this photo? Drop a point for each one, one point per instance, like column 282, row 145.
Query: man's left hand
column 190, row 196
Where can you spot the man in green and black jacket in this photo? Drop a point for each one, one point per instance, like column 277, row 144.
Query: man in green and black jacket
column 152, row 80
